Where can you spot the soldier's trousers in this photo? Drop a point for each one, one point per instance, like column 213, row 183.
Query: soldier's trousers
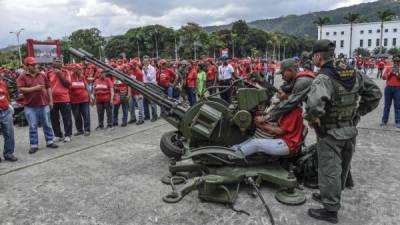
column 334, row 158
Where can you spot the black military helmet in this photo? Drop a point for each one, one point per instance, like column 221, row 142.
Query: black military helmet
column 286, row 64
column 324, row 45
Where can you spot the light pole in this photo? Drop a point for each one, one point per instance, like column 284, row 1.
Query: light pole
column 17, row 33
column 155, row 37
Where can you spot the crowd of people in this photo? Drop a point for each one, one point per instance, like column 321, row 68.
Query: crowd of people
column 59, row 92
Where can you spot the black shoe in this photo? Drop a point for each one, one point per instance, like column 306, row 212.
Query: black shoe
column 33, row 150
column 154, row 119
column 52, row 145
column 115, row 124
column 124, row 124
column 139, row 122
column 99, row 128
column 323, row 214
column 78, row 133
column 87, row 133
column 109, row 127
column 316, row 197
column 11, row 159
column 132, row 121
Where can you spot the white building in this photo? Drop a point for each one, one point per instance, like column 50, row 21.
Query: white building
column 365, row 35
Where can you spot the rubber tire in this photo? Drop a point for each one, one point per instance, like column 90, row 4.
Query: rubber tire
column 168, row 148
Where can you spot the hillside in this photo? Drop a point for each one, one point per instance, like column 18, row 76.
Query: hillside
column 303, row 24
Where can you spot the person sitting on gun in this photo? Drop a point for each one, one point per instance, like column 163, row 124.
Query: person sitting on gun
column 287, row 134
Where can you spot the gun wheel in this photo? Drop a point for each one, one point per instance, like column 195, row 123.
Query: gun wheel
column 171, row 146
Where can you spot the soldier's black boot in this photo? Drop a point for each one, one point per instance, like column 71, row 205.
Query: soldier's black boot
column 316, row 197
column 349, row 181
column 323, row 214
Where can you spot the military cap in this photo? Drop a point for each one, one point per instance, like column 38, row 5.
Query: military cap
column 323, row 45
column 286, row 64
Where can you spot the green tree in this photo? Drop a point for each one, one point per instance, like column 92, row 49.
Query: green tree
column 351, row 18
column 363, row 52
column 88, row 39
column 384, row 16
column 394, row 51
column 321, row 21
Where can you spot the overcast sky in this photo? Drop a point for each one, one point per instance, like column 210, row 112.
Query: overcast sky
column 57, row 18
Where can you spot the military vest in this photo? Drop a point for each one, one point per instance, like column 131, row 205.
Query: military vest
column 340, row 111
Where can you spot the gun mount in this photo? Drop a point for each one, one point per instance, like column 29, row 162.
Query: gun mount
column 205, row 131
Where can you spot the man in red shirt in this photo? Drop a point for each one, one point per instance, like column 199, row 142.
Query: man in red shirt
column 191, row 84
column 60, row 82
column 121, row 98
column 104, row 91
column 392, row 92
column 211, row 75
column 35, row 87
column 136, row 97
column 166, row 78
column 80, row 98
column 288, row 135
column 6, row 121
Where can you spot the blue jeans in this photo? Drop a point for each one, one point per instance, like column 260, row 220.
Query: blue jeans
column 191, row 95
column 7, row 127
column 125, row 107
column 153, row 106
column 34, row 115
column 392, row 94
column 267, row 146
column 136, row 100
column 81, row 114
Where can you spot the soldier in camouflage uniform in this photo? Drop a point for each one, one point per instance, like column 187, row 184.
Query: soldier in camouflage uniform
column 338, row 97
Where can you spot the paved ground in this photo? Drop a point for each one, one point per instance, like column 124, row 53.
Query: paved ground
column 113, row 177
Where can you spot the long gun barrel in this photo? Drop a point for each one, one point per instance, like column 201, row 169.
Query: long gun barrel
column 172, row 107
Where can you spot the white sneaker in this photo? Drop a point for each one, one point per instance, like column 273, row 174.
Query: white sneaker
column 57, row 139
column 67, row 139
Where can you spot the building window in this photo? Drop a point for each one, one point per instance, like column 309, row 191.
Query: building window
column 370, row 31
column 334, row 42
column 385, row 42
column 395, row 30
column 342, row 33
column 386, row 30
column 334, row 33
column 361, row 32
column 369, row 42
column 377, row 42
column 342, row 43
column 327, row 33
column 361, row 43
column 378, row 31
column 394, row 42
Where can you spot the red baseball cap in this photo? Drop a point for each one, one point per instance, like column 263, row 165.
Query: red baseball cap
column 30, row 61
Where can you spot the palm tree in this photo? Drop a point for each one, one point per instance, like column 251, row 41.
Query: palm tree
column 321, row 21
column 386, row 15
column 352, row 18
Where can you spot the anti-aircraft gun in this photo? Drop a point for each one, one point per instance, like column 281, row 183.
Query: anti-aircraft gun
column 199, row 148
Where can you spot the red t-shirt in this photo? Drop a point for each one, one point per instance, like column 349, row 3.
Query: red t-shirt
column 191, row 78
column 102, row 89
column 36, row 98
column 59, row 91
column 292, row 123
column 258, row 68
column 167, row 76
column 211, row 72
column 90, row 74
column 138, row 74
column 390, row 77
column 78, row 92
column 4, row 98
column 381, row 64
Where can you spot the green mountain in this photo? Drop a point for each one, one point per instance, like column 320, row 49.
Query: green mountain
column 303, row 24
